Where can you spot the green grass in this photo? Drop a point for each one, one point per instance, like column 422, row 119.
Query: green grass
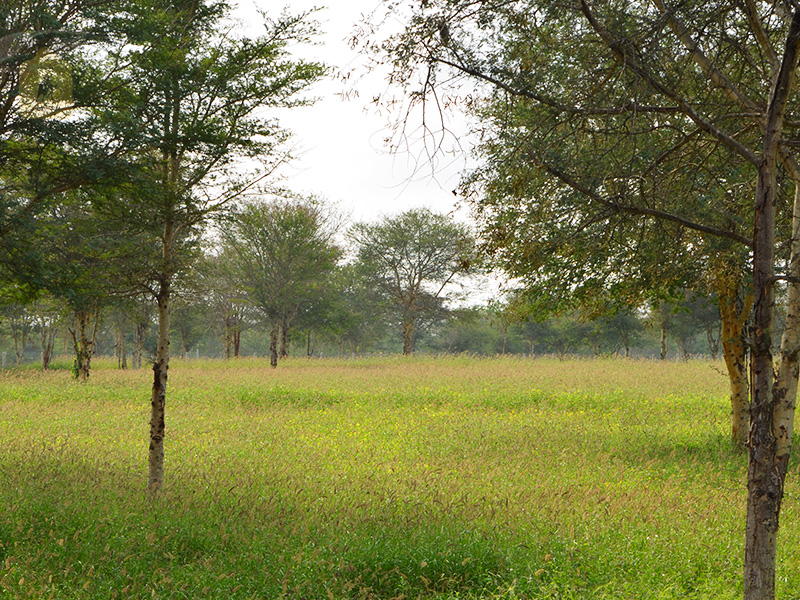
column 380, row 478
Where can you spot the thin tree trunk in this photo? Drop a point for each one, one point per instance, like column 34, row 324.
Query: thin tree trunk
column 19, row 331
column 664, row 335
column 121, row 348
column 48, row 339
column 158, row 397
column 273, row 344
column 139, row 335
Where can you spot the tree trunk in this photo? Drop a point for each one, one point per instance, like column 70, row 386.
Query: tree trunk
column 286, row 323
column 764, row 482
column 664, row 336
column 155, row 477
column 82, row 344
column 770, row 416
column 273, row 344
column 713, row 342
column 121, row 348
column 237, row 338
column 139, row 335
column 48, row 335
column 158, row 397
column 408, row 336
column 734, row 351
column 19, row 330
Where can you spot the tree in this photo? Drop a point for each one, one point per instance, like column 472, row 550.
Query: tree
column 83, row 259
column 48, row 316
column 284, row 255
column 694, row 98
column 356, row 313
column 221, row 283
column 191, row 102
column 412, row 258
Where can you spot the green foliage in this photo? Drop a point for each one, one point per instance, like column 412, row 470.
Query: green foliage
column 282, row 254
column 608, row 169
column 411, row 258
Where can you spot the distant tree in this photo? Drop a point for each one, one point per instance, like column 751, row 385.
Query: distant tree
column 284, row 254
column 20, row 323
column 356, row 312
column 412, row 258
column 192, row 318
column 84, row 259
column 48, row 316
column 467, row 330
column 624, row 329
column 221, row 285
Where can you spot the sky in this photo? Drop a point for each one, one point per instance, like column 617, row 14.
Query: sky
column 340, row 142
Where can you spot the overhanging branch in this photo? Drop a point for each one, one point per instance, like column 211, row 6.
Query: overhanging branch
column 638, row 210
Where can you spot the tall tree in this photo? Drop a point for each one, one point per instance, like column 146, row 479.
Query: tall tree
column 193, row 99
column 412, row 258
column 655, row 123
column 284, row 254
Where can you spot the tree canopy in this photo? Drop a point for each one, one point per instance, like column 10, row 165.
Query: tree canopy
column 413, row 257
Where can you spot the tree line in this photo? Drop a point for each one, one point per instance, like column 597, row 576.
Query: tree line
column 279, row 284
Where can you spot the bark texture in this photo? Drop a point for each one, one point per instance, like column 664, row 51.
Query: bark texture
column 408, row 335
column 83, row 340
column 767, row 465
column 155, row 476
column 734, row 350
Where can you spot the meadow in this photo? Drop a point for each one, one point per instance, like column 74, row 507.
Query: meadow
column 441, row 478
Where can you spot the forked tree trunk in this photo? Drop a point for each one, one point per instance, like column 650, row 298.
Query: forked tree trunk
column 83, row 342
column 772, row 407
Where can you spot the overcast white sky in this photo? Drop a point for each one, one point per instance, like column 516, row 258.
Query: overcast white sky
column 341, row 142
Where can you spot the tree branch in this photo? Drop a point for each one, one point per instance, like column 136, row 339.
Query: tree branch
column 638, row 210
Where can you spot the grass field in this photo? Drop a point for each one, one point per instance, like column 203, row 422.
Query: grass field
column 379, row 478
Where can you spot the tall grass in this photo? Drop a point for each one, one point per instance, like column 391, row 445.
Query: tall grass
column 379, row 478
